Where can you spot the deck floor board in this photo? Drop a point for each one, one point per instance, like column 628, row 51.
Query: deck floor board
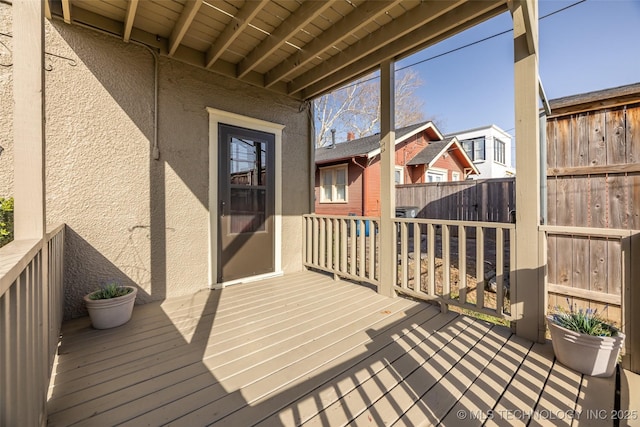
column 304, row 349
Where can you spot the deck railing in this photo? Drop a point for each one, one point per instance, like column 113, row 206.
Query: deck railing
column 468, row 264
column 346, row 246
column 465, row 257
column 30, row 318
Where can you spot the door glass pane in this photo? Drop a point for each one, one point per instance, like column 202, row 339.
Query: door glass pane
column 247, row 210
column 247, row 162
column 247, row 185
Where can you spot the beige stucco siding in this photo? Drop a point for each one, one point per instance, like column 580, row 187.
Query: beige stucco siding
column 132, row 218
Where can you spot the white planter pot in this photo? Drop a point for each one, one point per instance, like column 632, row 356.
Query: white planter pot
column 112, row 312
column 587, row 354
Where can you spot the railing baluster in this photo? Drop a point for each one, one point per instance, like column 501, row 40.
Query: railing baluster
column 316, row 245
column 343, row 245
column 309, row 254
column 323, row 240
column 362, row 262
column 372, row 250
column 446, row 262
column 353, row 248
column 462, row 264
column 499, row 270
column 404, row 255
column 431, row 256
column 330, row 244
column 479, row 267
column 417, row 258
column 512, row 269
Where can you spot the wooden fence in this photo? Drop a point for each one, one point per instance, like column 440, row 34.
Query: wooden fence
column 593, row 180
column 486, row 200
column 584, row 190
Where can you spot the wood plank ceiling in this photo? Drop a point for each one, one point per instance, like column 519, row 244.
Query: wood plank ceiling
column 301, row 48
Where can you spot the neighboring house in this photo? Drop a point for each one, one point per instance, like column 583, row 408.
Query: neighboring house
column 348, row 174
column 490, row 149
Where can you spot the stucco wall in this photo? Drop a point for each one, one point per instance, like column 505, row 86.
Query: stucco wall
column 130, row 217
column 6, row 104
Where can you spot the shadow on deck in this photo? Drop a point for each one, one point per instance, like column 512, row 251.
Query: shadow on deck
column 304, row 349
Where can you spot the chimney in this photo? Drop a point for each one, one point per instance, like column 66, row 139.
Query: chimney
column 351, row 136
column 333, row 139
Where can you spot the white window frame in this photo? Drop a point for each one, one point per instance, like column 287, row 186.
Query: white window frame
column 455, row 176
column 496, row 143
column 334, row 192
column 436, row 172
column 401, row 170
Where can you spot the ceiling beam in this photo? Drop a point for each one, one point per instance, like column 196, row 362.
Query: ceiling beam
column 186, row 18
column 187, row 55
column 415, row 19
column 299, row 19
column 66, row 11
column 455, row 21
column 359, row 18
column 237, row 25
column 129, row 18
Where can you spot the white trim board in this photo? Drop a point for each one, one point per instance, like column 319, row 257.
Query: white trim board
column 216, row 117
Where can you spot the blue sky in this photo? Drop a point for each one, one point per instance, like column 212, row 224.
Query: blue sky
column 591, row 46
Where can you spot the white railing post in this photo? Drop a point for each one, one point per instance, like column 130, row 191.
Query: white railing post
column 387, row 179
column 528, row 299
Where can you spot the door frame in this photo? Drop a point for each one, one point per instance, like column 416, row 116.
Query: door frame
column 215, row 118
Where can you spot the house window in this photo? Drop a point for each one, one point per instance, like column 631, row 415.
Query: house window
column 436, row 176
column 333, row 184
column 474, row 148
column 399, row 175
column 499, row 151
column 455, row 176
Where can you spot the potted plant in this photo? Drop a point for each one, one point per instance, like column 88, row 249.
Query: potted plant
column 584, row 342
column 111, row 305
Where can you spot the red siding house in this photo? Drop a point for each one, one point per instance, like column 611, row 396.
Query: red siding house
column 347, row 179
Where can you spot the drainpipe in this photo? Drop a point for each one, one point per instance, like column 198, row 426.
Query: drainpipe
column 543, row 168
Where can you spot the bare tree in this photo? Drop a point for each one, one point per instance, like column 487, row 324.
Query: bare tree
column 356, row 107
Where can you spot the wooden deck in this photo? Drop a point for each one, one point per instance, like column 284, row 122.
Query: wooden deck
column 304, row 349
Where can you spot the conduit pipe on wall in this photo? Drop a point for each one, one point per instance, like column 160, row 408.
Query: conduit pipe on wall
column 155, row 150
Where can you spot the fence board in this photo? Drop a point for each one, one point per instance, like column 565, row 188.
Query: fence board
column 581, row 140
column 552, row 125
column 598, row 257
column 563, row 150
column 597, row 149
column 634, row 201
column 632, row 136
column 564, row 258
column 564, row 201
column 615, row 136
column 617, row 189
column 598, row 188
column 581, row 261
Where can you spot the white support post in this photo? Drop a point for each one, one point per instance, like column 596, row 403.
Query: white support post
column 28, row 119
column 528, row 301
column 387, row 179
